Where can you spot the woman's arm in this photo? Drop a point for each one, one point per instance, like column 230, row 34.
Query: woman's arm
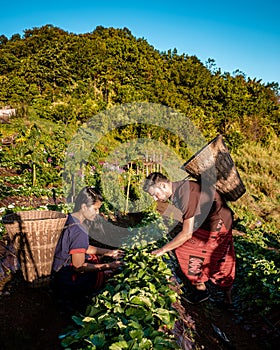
column 96, row 250
column 80, row 265
column 115, row 253
column 179, row 239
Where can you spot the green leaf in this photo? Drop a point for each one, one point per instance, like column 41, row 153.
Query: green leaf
column 119, row 345
column 118, row 309
column 145, row 344
column 136, row 334
column 135, row 324
column 68, row 341
column 93, row 310
column 121, row 325
column 163, row 344
column 97, row 340
column 117, row 297
column 137, row 312
column 163, row 315
column 78, row 320
column 152, row 287
column 141, row 273
column 142, row 265
column 134, row 291
column 110, row 322
column 141, row 300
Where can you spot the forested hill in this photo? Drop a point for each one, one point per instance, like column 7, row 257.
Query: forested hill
column 64, row 76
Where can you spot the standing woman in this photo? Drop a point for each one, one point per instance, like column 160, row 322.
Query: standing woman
column 77, row 266
column 204, row 247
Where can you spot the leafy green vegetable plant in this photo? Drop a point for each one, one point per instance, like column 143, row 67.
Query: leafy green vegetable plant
column 258, row 265
column 133, row 309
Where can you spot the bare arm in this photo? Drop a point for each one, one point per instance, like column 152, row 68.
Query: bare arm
column 115, row 254
column 80, row 265
column 179, row 239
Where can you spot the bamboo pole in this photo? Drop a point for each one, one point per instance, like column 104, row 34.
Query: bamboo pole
column 127, row 191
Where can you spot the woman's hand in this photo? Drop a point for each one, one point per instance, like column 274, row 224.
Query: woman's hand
column 115, row 254
column 158, row 252
column 115, row 265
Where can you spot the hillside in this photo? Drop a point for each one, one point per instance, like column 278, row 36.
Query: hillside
column 58, row 81
column 63, row 76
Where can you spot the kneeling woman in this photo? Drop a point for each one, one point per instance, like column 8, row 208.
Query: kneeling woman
column 78, row 271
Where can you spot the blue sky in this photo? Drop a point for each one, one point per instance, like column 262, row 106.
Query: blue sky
column 238, row 35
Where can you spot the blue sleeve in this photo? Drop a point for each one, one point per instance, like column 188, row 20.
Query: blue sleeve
column 77, row 237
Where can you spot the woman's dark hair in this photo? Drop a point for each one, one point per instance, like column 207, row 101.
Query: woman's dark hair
column 153, row 179
column 88, row 195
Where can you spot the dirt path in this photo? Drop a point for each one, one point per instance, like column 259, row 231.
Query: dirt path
column 29, row 317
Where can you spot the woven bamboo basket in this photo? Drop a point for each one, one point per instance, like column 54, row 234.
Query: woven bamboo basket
column 34, row 234
column 214, row 164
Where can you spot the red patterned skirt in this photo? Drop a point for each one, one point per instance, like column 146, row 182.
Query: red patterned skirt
column 209, row 256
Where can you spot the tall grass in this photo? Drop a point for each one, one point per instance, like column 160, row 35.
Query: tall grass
column 259, row 168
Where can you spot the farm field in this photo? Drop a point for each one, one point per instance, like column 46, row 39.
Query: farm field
column 104, row 109
column 30, row 318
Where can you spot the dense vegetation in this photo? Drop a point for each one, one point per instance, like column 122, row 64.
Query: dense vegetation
column 58, row 80
column 64, row 77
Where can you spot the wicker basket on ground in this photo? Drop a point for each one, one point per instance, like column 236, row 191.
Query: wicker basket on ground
column 34, row 234
column 214, row 165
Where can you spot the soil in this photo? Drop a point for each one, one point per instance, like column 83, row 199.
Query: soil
column 30, row 318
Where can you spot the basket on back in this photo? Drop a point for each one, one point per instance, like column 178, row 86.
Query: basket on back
column 34, row 235
column 214, row 165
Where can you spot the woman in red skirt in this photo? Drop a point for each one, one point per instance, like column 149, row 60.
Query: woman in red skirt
column 204, row 247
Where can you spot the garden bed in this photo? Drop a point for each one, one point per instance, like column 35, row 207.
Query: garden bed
column 30, row 318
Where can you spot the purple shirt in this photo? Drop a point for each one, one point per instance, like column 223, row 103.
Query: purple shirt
column 73, row 239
